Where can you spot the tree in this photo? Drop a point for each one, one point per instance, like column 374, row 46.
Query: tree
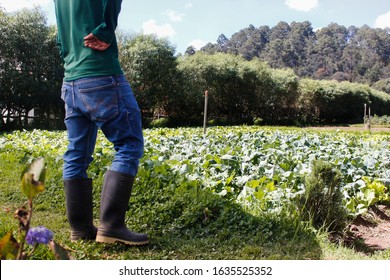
column 150, row 66
column 327, row 52
column 190, row 50
column 230, row 83
column 239, row 90
column 222, row 43
column 334, row 52
column 351, row 56
column 383, row 85
column 300, row 38
column 211, row 48
column 374, row 53
column 30, row 69
column 276, row 51
column 249, row 42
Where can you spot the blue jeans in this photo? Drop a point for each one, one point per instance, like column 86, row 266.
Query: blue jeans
column 107, row 103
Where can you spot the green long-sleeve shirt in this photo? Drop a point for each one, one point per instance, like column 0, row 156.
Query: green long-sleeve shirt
column 75, row 20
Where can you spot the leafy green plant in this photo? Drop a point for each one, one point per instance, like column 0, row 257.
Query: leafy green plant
column 11, row 247
column 365, row 193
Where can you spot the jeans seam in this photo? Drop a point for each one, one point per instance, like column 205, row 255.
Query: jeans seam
column 88, row 148
column 97, row 88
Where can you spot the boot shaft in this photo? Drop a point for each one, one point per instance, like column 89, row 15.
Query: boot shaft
column 79, row 208
column 115, row 198
column 113, row 206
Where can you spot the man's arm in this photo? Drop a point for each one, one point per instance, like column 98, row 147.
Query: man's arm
column 59, row 45
column 105, row 32
column 58, row 39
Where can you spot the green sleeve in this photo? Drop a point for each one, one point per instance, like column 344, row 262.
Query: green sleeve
column 106, row 30
column 59, row 45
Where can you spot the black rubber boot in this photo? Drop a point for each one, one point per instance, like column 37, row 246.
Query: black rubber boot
column 115, row 197
column 78, row 197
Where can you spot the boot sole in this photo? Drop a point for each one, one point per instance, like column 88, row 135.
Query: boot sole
column 112, row 240
column 74, row 240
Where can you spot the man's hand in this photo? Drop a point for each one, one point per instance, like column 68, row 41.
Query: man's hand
column 91, row 41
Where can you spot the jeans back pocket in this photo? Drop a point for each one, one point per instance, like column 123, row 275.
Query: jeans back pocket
column 99, row 97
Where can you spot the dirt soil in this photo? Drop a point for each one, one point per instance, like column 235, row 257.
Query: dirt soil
column 351, row 128
column 369, row 232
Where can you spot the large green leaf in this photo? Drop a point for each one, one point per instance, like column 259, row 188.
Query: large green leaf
column 33, row 179
column 8, row 247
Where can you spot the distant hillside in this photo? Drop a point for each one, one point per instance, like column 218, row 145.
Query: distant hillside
column 334, row 52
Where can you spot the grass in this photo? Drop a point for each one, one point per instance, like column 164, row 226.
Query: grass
column 242, row 237
column 183, row 223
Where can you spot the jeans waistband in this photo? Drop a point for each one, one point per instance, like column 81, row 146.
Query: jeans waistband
column 116, row 78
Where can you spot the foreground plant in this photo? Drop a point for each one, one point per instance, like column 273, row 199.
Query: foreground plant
column 322, row 202
column 14, row 248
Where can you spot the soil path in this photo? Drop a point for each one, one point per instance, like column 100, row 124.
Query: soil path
column 351, row 128
column 373, row 228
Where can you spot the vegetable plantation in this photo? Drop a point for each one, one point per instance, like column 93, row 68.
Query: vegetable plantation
column 234, row 193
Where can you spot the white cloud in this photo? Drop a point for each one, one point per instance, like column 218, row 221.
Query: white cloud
column 175, row 16
column 162, row 31
column 197, row 44
column 302, row 5
column 189, row 5
column 14, row 5
column 383, row 20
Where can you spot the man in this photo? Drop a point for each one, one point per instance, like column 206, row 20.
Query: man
column 97, row 95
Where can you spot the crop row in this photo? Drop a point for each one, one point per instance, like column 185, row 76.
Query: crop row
column 260, row 168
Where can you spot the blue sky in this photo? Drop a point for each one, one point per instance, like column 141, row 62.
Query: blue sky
column 196, row 22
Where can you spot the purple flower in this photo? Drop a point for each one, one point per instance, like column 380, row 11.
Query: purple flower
column 40, row 235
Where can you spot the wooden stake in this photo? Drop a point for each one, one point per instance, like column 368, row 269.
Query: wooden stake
column 206, row 100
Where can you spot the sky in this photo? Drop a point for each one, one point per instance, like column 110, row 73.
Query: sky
column 197, row 22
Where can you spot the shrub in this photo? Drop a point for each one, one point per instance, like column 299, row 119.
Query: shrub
column 162, row 122
column 322, row 202
column 380, row 120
